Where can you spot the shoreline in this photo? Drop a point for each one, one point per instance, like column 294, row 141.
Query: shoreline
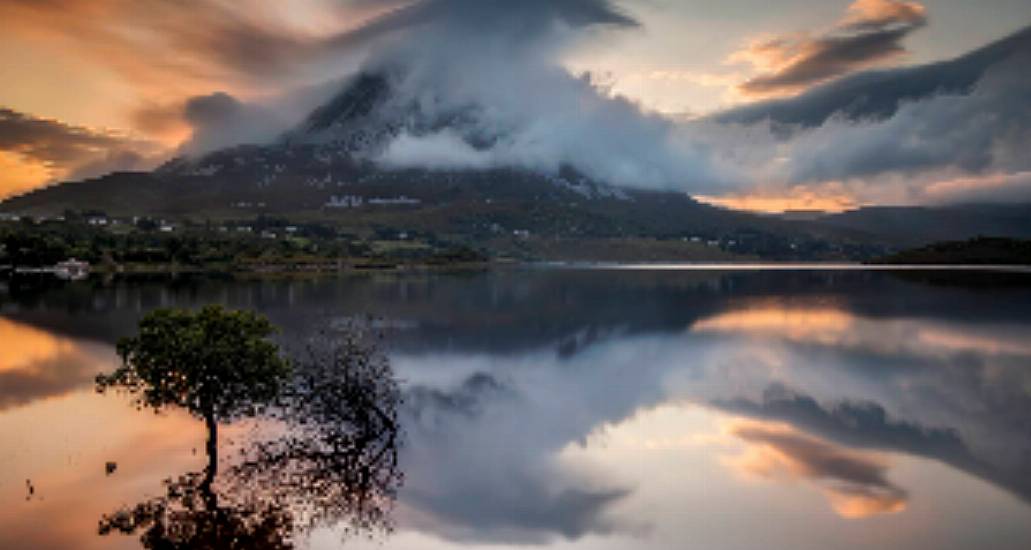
column 318, row 270
column 780, row 266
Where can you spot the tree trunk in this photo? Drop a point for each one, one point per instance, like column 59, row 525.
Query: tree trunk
column 212, row 452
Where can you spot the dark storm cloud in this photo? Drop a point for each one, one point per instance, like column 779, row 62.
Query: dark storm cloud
column 872, row 33
column 58, row 145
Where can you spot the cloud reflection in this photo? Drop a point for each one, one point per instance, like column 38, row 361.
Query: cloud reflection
column 853, row 481
column 35, row 364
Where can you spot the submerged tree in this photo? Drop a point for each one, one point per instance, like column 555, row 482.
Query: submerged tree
column 217, row 364
column 324, row 452
column 188, row 516
column 336, row 463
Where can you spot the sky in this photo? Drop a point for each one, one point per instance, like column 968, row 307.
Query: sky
column 91, row 86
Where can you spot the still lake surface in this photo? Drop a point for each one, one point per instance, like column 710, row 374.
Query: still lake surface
column 584, row 408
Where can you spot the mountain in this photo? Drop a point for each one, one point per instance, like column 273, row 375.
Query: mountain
column 323, row 171
column 878, row 94
column 915, row 225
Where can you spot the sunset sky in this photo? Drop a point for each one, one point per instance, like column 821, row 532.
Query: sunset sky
column 91, row 86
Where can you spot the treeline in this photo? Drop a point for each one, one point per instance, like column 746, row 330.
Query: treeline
column 265, row 242
column 977, row 251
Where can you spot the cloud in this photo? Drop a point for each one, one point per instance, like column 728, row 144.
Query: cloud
column 160, row 55
column 984, row 130
column 870, row 33
column 998, row 187
column 458, row 106
column 505, row 486
column 891, row 137
column 219, row 120
column 479, row 84
column 172, row 44
column 867, row 425
column 35, row 364
column 878, row 94
column 853, row 481
column 67, row 149
column 442, row 150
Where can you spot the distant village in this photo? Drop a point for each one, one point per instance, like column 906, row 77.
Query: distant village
column 73, row 245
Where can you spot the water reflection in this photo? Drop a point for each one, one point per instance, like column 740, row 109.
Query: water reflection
column 36, row 364
column 854, row 482
column 324, row 455
column 654, row 410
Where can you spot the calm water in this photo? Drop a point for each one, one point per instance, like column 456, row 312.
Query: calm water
column 585, row 408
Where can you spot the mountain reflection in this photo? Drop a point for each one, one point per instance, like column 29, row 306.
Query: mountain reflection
column 326, row 455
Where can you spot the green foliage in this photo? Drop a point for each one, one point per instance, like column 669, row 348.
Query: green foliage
column 217, row 364
column 29, row 249
column 200, row 247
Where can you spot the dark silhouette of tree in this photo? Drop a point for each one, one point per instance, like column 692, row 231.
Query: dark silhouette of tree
column 323, row 453
column 217, row 364
column 337, row 460
column 190, row 515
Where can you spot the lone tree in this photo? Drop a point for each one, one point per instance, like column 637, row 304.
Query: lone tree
column 336, row 463
column 217, row 364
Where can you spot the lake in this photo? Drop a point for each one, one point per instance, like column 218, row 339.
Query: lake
column 581, row 408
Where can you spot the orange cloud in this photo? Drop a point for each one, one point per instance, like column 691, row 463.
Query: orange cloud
column 853, row 482
column 878, row 13
column 35, row 364
column 778, row 320
column 39, row 149
column 145, row 59
column 868, row 34
column 825, row 197
column 18, row 175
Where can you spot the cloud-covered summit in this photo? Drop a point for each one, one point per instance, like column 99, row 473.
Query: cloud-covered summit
column 482, row 84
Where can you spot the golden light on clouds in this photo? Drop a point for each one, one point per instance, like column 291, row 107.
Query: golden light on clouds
column 25, row 347
column 788, row 322
column 794, row 200
column 65, row 462
column 37, row 365
column 826, row 325
column 853, row 482
column 18, row 175
column 869, row 34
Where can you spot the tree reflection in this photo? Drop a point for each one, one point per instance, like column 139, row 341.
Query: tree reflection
column 322, row 454
column 190, row 515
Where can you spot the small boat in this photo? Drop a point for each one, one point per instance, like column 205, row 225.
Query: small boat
column 72, row 269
